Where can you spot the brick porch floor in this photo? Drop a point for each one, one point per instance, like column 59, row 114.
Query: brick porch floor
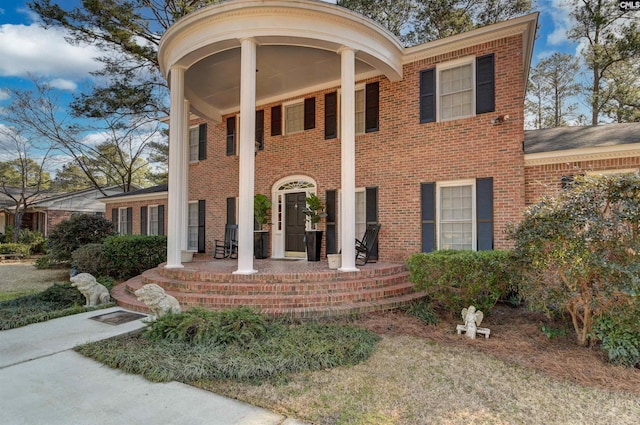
column 295, row 288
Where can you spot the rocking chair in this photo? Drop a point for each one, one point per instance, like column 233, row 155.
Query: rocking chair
column 365, row 247
column 227, row 248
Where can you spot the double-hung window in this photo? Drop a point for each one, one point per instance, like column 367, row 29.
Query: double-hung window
column 360, row 111
column 123, row 221
column 194, row 140
column 456, row 215
column 153, row 220
column 456, row 91
column 294, row 118
column 192, row 227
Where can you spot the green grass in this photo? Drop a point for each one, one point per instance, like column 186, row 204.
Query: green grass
column 56, row 301
column 274, row 352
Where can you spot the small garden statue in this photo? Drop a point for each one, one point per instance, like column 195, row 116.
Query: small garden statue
column 472, row 319
column 157, row 300
column 94, row 292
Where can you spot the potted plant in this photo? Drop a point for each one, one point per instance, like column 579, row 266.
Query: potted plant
column 313, row 238
column 261, row 211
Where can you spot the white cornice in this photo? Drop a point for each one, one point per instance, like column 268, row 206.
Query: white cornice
column 525, row 25
column 584, row 154
column 141, row 197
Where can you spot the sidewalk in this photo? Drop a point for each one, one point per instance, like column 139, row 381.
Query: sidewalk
column 42, row 381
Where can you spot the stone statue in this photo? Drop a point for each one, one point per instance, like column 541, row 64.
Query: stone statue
column 157, row 300
column 94, row 292
column 472, row 319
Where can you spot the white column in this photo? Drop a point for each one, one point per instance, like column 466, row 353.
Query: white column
column 184, row 190
column 348, row 156
column 177, row 133
column 247, row 155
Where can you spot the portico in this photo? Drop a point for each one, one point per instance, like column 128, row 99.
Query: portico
column 235, row 56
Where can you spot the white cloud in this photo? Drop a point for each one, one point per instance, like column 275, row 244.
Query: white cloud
column 62, row 84
column 31, row 49
column 4, row 95
column 559, row 11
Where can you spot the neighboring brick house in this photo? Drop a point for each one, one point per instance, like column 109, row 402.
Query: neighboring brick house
column 49, row 209
column 553, row 156
column 140, row 212
column 426, row 140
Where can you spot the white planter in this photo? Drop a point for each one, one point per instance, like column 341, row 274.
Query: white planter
column 335, row 261
column 187, row 256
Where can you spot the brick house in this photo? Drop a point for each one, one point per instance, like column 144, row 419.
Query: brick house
column 553, row 156
column 288, row 98
column 49, row 208
column 139, row 212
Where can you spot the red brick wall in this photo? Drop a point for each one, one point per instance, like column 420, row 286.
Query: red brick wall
column 547, row 179
column 136, row 205
column 396, row 159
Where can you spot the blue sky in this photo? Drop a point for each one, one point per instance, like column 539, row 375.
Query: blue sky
column 27, row 49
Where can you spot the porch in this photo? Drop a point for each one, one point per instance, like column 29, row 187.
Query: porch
column 293, row 288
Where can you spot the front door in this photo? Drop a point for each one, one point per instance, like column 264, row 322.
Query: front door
column 295, row 223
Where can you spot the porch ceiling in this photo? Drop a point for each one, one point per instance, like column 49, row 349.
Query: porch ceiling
column 298, row 49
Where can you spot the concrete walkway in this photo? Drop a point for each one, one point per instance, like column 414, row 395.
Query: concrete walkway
column 42, row 381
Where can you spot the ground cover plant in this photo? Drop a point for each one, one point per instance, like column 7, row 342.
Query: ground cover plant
column 58, row 300
column 236, row 344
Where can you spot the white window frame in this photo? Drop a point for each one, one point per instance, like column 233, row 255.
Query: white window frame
column 470, row 60
column 122, row 229
column 192, row 245
column 299, row 102
column 457, row 183
column 361, row 221
column 151, row 229
column 363, row 123
column 194, row 144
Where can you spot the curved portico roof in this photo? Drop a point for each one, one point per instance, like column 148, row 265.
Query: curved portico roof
column 298, row 45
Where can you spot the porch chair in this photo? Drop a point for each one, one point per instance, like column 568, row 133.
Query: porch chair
column 365, row 247
column 227, row 248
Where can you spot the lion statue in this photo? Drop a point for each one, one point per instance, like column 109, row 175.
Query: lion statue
column 94, row 292
column 157, row 300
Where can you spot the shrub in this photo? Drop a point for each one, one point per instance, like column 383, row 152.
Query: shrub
column 130, row 255
column 71, row 234
column 619, row 331
column 239, row 325
column 34, row 239
column 457, row 279
column 90, row 258
column 15, row 248
column 578, row 251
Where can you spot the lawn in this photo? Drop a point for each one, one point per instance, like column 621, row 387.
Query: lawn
column 22, row 278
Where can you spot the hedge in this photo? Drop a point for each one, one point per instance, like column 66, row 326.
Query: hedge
column 128, row 256
column 15, row 248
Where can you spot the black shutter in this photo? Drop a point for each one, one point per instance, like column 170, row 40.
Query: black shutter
column 202, row 142
column 331, row 115
column 129, row 221
column 310, row 113
column 114, row 219
column 484, row 213
column 276, row 120
column 331, row 221
column 231, row 136
column 372, row 107
column 485, row 95
column 371, row 215
column 143, row 220
column 231, row 210
column 428, row 216
column 161, row 220
column 201, row 217
column 260, row 129
column 428, row 95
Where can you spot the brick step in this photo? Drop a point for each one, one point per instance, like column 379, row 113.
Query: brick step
column 280, row 300
column 295, row 272
column 269, row 288
column 128, row 300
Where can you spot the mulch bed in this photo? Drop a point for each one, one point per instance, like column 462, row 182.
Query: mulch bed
column 516, row 338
